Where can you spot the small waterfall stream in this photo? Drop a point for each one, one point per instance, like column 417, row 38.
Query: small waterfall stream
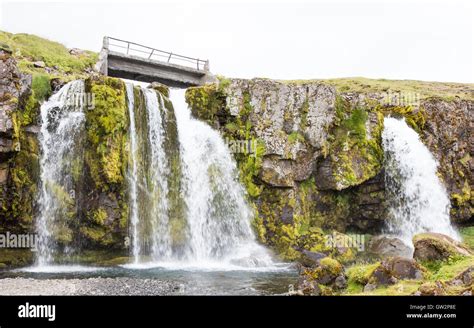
column 61, row 130
column 418, row 201
column 133, row 171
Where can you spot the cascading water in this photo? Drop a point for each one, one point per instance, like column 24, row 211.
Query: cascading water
column 195, row 213
column 148, row 176
column 61, row 129
column 418, row 201
column 217, row 212
column 133, row 172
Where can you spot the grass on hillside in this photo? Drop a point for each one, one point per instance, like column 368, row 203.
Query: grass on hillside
column 27, row 49
column 447, row 90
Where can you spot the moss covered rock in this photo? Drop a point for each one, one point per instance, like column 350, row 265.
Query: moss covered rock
column 320, row 164
column 435, row 247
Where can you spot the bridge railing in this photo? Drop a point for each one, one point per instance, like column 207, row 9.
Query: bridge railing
column 135, row 49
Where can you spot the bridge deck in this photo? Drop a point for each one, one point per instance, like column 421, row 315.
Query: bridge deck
column 132, row 61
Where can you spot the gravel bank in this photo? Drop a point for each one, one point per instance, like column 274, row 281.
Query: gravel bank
column 91, row 286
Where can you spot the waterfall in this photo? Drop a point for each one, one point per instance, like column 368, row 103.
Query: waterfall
column 184, row 178
column 61, row 130
column 133, row 172
column 217, row 213
column 418, row 201
column 148, row 175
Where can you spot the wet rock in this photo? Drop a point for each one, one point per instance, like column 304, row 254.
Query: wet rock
column 386, row 246
column 56, row 84
column 435, row 246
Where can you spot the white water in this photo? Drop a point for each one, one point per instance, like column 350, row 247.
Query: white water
column 217, row 212
column 159, row 172
column 133, row 172
column 62, row 122
column 418, row 201
column 217, row 229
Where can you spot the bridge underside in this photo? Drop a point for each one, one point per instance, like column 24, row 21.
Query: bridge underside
column 146, row 70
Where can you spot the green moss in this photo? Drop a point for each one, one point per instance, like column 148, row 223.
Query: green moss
column 449, row 269
column 206, row 101
column 249, row 168
column 415, row 117
column 459, row 199
column 41, row 86
column 447, row 91
column 17, row 210
column 99, row 236
column 295, row 137
column 107, row 126
column 446, row 249
column 332, row 265
column 11, row 258
column 354, row 154
column 402, row 287
column 360, row 273
column 467, row 234
column 99, row 216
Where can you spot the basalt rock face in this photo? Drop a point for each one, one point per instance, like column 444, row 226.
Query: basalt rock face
column 99, row 174
column 19, row 161
column 448, row 134
column 317, row 160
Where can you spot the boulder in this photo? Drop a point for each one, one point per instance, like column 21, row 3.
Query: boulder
column 340, row 282
column 432, row 246
column 395, row 268
column 307, row 287
column 386, row 246
column 311, row 259
column 436, row 288
column 467, row 276
column 325, row 273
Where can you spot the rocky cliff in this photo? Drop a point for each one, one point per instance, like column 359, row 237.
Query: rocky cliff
column 319, row 161
column 315, row 164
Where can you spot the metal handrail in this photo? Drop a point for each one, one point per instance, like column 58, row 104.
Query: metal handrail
column 151, row 53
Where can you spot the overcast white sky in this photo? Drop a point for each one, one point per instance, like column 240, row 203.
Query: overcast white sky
column 278, row 39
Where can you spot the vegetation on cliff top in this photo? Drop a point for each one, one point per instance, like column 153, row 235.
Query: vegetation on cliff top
column 425, row 89
column 28, row 49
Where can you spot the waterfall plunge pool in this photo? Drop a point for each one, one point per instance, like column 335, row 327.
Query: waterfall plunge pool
column 161, row 279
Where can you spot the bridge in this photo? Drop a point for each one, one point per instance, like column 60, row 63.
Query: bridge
column 129, row 60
